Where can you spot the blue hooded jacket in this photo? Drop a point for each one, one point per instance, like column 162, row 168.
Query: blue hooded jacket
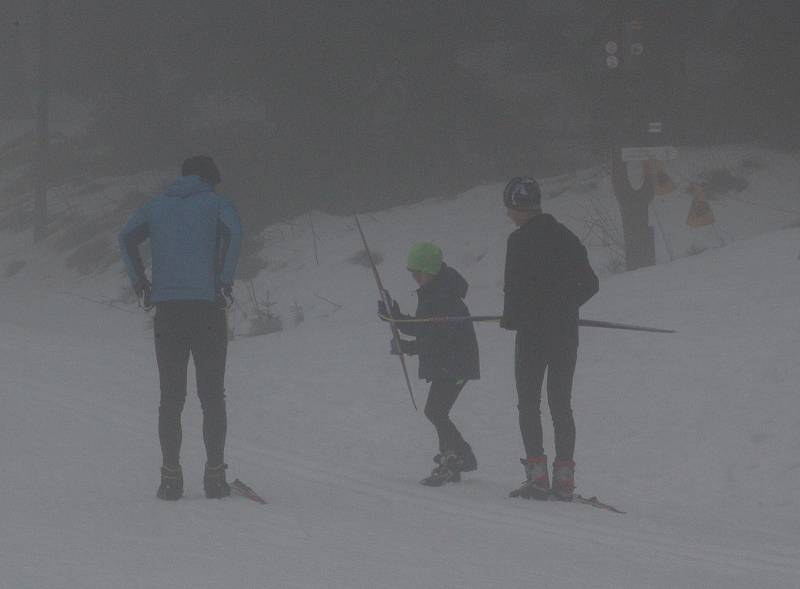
column 195, row 236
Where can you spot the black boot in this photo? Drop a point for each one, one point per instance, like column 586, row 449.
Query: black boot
column 171, row 487
column 448, row 471
column 214, row 482
column 467, row 457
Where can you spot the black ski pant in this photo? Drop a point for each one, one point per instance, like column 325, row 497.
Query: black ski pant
column 533, row 355
column 441, row 397
column 198, row 328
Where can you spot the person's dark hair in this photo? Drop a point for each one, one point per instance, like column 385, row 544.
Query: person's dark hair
column 203, row 166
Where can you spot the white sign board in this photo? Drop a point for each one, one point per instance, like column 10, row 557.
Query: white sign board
column 639, row 154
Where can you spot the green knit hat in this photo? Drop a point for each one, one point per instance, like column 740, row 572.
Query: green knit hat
column 425, row 257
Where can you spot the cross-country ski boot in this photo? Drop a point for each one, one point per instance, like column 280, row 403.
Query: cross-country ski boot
column 214, row 482
column 447, row 471
column 563, row 480
column 171, row 487
column 537, row 483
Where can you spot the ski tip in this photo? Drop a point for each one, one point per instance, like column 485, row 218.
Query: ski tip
column 595, row 502
column 243, row 490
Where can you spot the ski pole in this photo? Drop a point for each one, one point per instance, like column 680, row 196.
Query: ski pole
column 494, row 318
column 386, row 301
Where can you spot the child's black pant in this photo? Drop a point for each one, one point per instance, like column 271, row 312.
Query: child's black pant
column 198, row 328
column 441, row 397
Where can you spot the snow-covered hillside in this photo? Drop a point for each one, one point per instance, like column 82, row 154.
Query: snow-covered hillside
column 696, row 435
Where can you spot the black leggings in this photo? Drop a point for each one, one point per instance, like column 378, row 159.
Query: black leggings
column 441, row 397
column 532, row 356
column 198, row 328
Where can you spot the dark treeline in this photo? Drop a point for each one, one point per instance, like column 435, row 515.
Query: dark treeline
column 356, row 105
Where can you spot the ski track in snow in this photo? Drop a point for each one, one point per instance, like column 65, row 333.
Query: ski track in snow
column 322, row 427
column 488, row 512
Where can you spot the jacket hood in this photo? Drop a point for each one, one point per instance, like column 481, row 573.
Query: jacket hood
column 186, row 186
column 448, row 279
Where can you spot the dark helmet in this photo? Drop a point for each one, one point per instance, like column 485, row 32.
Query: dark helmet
column 522, row 194
column 203, row 166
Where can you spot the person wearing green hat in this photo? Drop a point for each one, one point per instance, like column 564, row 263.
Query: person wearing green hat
column 448, row 354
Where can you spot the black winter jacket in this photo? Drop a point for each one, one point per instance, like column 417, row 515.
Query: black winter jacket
column 547, row 278
column 447, row 351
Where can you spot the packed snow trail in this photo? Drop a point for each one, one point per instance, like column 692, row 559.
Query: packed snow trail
column 320, row 424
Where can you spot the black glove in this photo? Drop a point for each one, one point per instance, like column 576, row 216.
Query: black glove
column 142, row 286
column 224, row 298
column 384, row 312
column 407, row 347
column 142, row 289
column 507, row 324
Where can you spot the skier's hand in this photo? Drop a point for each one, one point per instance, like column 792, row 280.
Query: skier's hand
column 407, row 347
column 507, row 324
column 383, row 312
column 224, row 298
column 143, row 288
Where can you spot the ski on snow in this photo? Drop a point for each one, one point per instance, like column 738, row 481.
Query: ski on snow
column 595, row 502
column 242, row 490
column 590, row 501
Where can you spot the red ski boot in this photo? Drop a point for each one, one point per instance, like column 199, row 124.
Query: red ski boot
column 537, row 485
column 564, row 480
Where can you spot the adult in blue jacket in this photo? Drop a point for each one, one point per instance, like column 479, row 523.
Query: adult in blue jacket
column 195, row 237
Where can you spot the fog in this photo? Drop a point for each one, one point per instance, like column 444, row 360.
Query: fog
column 366, row 107
column 360, row 105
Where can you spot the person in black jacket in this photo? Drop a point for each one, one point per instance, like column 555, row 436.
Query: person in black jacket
column 547, row 278
column 448, row 354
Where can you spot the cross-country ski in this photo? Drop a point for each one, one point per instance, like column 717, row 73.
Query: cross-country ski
column 243, row 490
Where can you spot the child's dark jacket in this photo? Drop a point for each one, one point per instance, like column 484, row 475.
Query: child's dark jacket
column 446, row 350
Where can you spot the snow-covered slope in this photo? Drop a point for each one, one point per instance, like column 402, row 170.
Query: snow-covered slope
column 695, row 434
